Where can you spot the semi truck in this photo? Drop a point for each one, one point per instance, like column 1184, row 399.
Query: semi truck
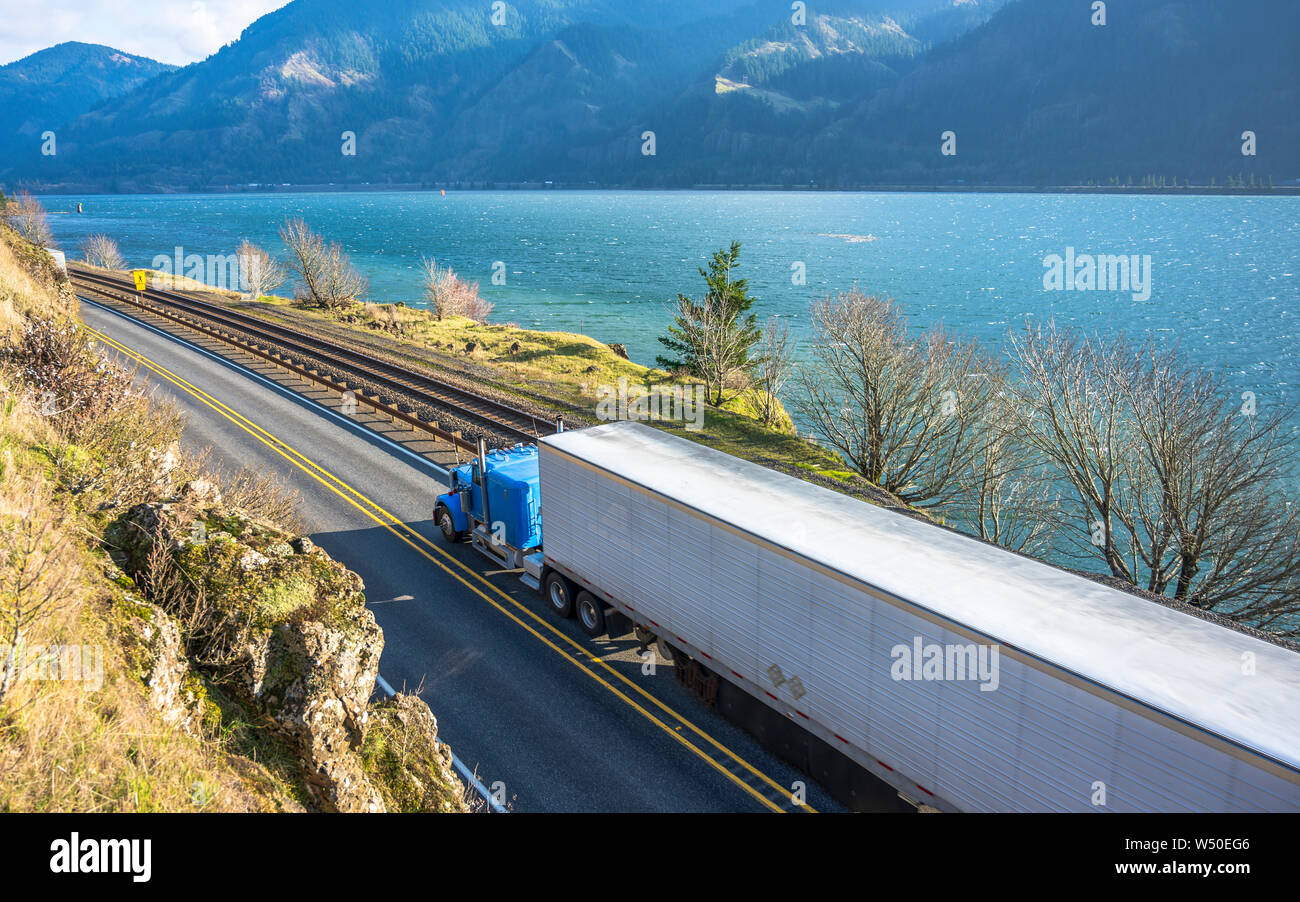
column 962, row 675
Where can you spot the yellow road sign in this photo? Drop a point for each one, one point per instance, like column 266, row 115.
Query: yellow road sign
column 141, row 279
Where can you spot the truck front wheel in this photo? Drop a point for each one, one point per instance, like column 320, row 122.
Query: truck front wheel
column 447, row 525
column 591, row 614
column 559, row 594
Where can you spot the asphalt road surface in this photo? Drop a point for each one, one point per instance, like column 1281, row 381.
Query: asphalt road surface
column 561, row 722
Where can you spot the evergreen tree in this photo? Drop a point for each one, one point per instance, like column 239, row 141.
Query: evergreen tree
column 711, row 339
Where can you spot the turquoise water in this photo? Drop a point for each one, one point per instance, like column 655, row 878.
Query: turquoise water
column 1224, row 270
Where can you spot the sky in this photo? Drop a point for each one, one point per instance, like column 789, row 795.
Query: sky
column 171, row 31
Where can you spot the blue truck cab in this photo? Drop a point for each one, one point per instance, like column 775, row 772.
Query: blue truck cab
column 495, row 501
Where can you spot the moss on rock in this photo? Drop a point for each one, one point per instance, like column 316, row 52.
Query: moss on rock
column 412, row 771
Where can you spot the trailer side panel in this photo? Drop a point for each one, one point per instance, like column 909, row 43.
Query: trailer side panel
column 825, row 649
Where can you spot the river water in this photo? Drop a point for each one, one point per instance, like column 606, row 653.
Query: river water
column 1223, row 270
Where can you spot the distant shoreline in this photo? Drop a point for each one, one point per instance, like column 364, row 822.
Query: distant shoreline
column 465, row 187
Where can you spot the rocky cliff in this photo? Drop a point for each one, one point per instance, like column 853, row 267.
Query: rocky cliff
column 280, row 629
column 221, row 662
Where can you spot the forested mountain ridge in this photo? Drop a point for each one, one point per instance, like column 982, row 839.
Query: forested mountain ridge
column 1165, row 87
column 855, row 92
column 52, row 86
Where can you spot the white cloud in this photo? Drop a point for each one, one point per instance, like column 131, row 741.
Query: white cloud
column 173, row 31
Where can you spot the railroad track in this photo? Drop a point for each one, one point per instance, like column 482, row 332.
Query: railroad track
column 312, row 357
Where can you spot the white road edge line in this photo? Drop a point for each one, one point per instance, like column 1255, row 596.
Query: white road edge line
column 288, row 392
column 465, row 772
column 493, row 804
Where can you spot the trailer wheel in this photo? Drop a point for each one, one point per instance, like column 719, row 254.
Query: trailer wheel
column 591, row 614
column 559, row 594
column 447, row 525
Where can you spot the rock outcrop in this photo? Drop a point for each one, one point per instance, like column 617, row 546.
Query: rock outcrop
column 412, row 770
column 273, row 621
column 152, row 642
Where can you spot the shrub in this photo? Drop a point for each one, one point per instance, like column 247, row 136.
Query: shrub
column 101, row 251
column 450, row 295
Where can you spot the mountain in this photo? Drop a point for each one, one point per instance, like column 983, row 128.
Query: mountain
column 273, row 105
column 53, row 86
column 1040, row 95
column 855, row 92
column 1035, row 94
column 753, row 116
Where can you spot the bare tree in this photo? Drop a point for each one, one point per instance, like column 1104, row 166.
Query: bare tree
column 259, row 272
column 307, row 252
column 325, row 274
column 26, row 216
column 907, row 414
column 438, row 285
column 1070, row 412
column 101, row 251
column 1007, row 492
column 344, row 285
column 1174, row 486
column 34, row 583
column 450, row 295
column 774, row 359
column 1212, row 478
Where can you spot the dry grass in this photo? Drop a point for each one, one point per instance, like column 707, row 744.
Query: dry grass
column 96, row 743
column 22, row 294
column 410, row 768
column 258, row 495
column 564, row 371
column 89, row 744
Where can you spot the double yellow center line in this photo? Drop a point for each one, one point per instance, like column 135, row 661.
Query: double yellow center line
column 762, row 787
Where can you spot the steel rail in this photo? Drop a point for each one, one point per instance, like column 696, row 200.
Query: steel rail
column 420, row 388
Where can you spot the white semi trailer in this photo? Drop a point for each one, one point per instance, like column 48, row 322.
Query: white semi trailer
column 966, row 677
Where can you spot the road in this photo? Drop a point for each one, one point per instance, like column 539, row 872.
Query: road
column 527, row 701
